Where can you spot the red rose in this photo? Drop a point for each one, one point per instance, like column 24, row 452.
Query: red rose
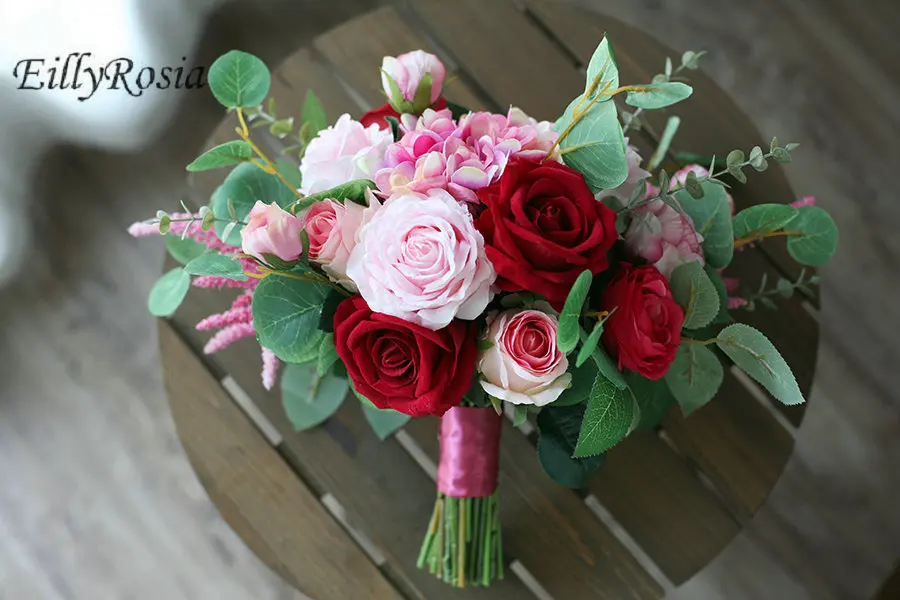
column 542, row 227
column 400, row 365
column 645, row 331
column 377, row 115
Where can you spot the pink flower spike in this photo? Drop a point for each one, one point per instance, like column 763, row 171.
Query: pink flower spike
column 212, row 282
column 228, row 336
column 731, row 283
column 142, row 229
column 735, row 302
column 233, row 316
column 804, row 201
column 269, row 369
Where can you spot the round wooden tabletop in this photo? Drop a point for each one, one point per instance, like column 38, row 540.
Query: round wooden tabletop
column 339, row 513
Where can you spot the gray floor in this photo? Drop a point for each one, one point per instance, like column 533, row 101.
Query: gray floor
column 97, row 501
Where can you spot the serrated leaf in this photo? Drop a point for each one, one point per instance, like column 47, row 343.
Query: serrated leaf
column 384, row 421
column 223, row 155
column 567, row 331
column 595, row 147
column 819, row 238
column 243, row 186
column 763, row 218
column 653, row 399
column 559, row 428
column 312, row 116
column 327, row 354
column 602, row 65
column 607, row 419
column 658, row 95
column 754, row 353
column 695, row 293
column 694, row 376
column 352, row 190
column 168, row 292
column 183, row 250
column 308, row 399
column 589, row 345
column 216, row 265
column 239, row 79
column 605, row 365
column 712, row 219
column 722, row 316
column 582, row 381
column 286, row 314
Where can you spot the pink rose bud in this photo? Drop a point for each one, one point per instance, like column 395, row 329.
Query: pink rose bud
column 524, row 366
column 272, row 230
column 404, row 82
column 331, row 227
column 661, row 236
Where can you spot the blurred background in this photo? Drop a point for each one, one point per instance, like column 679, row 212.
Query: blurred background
column 96, row 498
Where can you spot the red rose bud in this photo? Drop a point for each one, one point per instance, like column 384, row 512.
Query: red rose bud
column 542, row 227
column 403, row 366
column 645, row 331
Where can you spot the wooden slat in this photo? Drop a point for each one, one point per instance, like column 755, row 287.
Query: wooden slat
column 255, row 489
column 711, row 122
column 550, row 530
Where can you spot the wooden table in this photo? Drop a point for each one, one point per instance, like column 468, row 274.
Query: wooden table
column 340, row 514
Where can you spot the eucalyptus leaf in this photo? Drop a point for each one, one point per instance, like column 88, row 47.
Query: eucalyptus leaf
column 168, row 292
column 735, row 158
column 223, row 155
column 243, row 186
column 607, row 419
column 712, row 219
column 658, row 95
column 281, row 127
column 309, row 399
column 239, row 79
column 384, row 421
column 567, row 331
column 595, row 146
column 286, row 314
column 558, row 428
column 183, row 250
column 763, row 218
column 216, row 265
column 694, row 376
column 653, row 399
column 602, row 66
column 754, row 353
column 695, row 293
column 819, row 238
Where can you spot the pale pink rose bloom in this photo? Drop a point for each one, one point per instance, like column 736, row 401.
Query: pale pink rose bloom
column 331, row 227
column 272, row 230
column 636, row 174
column 661, row 236
column 343, row 152
column 407, row 70
column 523, row 366
column 420, row 258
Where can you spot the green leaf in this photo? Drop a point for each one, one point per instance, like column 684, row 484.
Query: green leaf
column 239, row 79
column 582, row 382
column 422, row 99
column 384, row 421
column 395, row 127
column 653, row 398
column 520, row 415
column 665, row 141
column 712, row 219
column 752, row 352
column 607, row 419
column 605, row 364
column 326, row 321
column 352, row 190
column 286, row 315
column 735, row 158
column 243, row 186
column 224, row 155
column 309, row 399
column 567, row 331
column 590, row 344
column 396, row 98
column 758, row 159
column 168, row 292
column 559, row 427
column 695, row 293
column 327, row 355
column 602, row 65
column 313, row 116
column 216, row 265
column 694, row 377
column 763, row 218
column 281, row 127
column 457, row 110
column 722, row 316
column 595, row 146
column 658, row 95
column 737, row 173
column 183, row 250
column 290, row 172
column 819, row 240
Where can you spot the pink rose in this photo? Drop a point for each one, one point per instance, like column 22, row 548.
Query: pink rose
column 523, row 366
column 272, row 230
column 661, row 236
column 407, row 71
column 343, row 152
column 331, row 227
column 636, row 174
column 420, row 258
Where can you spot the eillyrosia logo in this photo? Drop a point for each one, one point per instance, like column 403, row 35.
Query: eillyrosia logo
column 79, row 71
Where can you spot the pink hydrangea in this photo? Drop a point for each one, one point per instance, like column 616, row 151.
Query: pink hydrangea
column 663, row 237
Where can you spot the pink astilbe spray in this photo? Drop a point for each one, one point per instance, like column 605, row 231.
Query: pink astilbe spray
column 227, row 336
column 270, row 368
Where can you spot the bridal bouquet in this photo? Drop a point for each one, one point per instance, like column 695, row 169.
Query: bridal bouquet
column 443, row 262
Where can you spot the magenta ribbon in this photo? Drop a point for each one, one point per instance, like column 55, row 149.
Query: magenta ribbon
column 470, row 452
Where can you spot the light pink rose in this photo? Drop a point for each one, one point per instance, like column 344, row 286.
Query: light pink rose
column 272, row 230
column 636, row 174
column 420, row 258
column 523, row 366
column 343, row 152
column 331, row 227
column 407, row 71
column 661, row 236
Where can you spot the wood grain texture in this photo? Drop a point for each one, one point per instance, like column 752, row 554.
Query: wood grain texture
column 255, row 489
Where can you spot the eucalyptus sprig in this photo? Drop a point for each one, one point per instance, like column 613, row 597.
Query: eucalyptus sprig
column 205, row 215
column 736, row 161
column 689, row 61
column 783, row 287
